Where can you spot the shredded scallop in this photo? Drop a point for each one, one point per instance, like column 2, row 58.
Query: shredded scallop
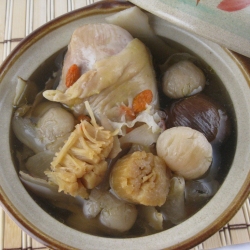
column 80, row 165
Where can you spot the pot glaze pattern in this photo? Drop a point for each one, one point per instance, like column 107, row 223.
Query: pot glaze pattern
column 225, row 22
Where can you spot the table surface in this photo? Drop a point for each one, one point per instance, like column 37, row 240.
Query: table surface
column 18, row 18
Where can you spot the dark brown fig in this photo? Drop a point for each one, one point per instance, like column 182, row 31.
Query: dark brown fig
column 200, row 113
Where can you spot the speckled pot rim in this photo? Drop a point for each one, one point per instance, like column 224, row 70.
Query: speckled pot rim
column 238, row 64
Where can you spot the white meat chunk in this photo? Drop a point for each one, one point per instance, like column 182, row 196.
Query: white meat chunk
column 91, row 43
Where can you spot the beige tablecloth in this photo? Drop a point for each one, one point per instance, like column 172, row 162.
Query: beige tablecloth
column 18, row 18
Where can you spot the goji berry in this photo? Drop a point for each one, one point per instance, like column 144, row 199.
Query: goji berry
column 141, row 100
column 128, row 112
column 72, row 75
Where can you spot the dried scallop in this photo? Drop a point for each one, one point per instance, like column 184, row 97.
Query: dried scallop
column 140, row 178
column 80, row 164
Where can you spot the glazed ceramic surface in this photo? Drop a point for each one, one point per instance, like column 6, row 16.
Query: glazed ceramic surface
column 225, row 22
column 39, row 46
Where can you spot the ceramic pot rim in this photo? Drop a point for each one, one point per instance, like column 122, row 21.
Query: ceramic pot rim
column 45, row 238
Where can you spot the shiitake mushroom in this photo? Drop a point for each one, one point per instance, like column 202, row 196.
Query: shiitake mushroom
column 201, row 113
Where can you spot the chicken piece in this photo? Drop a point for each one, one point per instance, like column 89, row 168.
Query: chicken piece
column 80, row 164
column 140, row 178
column 91, row 43
column 113, row 80
column 112, row 83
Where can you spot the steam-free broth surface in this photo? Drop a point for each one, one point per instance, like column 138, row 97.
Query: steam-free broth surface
column 197, row 191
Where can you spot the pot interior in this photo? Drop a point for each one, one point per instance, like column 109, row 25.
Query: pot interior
column 27, row 62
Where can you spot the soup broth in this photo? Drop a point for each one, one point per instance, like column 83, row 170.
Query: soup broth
column 197, row 193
